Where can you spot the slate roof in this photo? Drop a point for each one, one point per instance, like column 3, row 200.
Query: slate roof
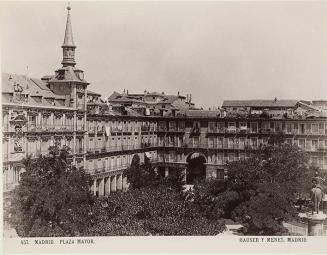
column 89, row 92
column 155, row 94
column 113, row 96
column 125, row 99
column 32, row 86
column 199, row 113
column 260, row 103
column 170, row 98
column 69, row 75
column 36, row 88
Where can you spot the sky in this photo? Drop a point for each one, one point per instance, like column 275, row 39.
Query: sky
column 213, row 50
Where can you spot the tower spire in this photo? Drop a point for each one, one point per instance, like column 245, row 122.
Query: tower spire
column 68, row 45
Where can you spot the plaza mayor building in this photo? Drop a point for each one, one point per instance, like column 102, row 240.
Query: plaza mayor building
column 105, row 133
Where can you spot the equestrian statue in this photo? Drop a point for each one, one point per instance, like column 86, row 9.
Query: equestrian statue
column 317, row 192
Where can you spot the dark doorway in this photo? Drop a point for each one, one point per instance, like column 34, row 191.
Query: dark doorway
column 196, row 168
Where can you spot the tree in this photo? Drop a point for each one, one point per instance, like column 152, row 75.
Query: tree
column 260, row 191
column 213, row 199
column 152, row 211
column 144, row 175
column 139, row 175
column 52, row 198
column 282, row 164
column 268, row 184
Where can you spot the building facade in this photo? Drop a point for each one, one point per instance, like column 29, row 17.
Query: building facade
column 105, row 135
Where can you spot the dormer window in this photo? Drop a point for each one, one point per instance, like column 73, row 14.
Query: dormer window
column 60, row 75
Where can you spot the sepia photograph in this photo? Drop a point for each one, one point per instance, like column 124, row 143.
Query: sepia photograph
column 146, row 120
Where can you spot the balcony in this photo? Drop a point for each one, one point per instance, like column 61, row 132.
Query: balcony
column 136, row 130
column 217, row 130
column 145, row 145
column 63, row 128
column 108, row 169
column 32, row 128
column 146, row 128
column 119, row 148
column 50, row 128
column 79, row 127
column 91, row 129
column 81, row 106
column 79, row 150
column 253, row 131
column 116, row 129
column 316, row 148
column 172, row 144
column 161, row 129
column 232, row 130
column 127, row 129
column 266, row 131
column 100, row 129
column 243, row 130
column 43, row 152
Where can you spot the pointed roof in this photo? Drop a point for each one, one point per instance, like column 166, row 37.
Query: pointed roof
column 68, row 40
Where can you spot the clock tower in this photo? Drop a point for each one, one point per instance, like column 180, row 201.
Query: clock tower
column 68, row 81
column 70, row 89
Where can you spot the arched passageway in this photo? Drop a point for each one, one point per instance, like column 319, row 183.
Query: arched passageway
column 196, row 168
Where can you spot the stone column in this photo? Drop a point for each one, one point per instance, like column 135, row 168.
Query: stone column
column 166, row 171
column 184, row 175
column 315, row 223
column 125, row 184
column 113, row 183
column 120, row 182
column 101, row 187
column 95, row 187
column 107, row 186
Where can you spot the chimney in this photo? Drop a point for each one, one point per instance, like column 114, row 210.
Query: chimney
column 127, row 92
column 178, row 93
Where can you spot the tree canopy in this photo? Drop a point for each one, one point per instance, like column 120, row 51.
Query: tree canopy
column 141, row 175
column 52, row 197
column 260, row 191
column 152, row 211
